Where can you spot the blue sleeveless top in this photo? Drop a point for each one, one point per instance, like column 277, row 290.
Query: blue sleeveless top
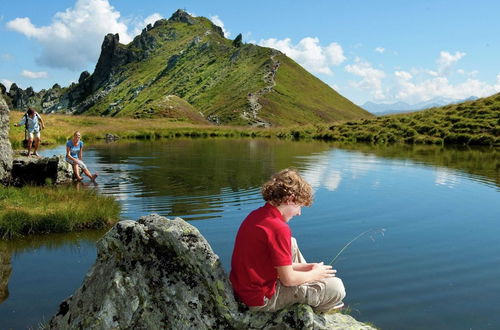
column 74, row 150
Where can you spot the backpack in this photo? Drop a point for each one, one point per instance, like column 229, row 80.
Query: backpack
column 25, row 141
column 26, row 119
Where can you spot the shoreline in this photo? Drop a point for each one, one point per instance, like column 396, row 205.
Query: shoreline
column 394, row 129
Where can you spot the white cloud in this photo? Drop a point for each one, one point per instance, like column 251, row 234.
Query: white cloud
column 141, row 24
column 433, row 73
column 74, row 37
column 7, row 56
column 380, row 50
column 371, row 78
column 334, row 53
column 446, row 60
column 309, row 53
column 403, row 75
column 6, row 83
column 34, row 75
column 422, row 84
column 151, row 19
column 440, row 86
column 335, row 87
column 217, row 21
column 436, row 83
column 472, row 73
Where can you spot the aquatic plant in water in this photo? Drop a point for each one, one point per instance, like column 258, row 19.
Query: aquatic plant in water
column 372, row 233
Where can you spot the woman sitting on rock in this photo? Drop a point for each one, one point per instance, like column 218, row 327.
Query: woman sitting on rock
column 74, row 155
column 268, row 272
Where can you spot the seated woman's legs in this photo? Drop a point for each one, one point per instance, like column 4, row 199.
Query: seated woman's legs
column 76, row 171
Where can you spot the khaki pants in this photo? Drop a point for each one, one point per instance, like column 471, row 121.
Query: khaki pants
column 322, row 296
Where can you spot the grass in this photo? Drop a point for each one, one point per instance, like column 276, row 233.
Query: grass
column 470, row 123
column 59, row 128
column 30, row 210
column 294, row 101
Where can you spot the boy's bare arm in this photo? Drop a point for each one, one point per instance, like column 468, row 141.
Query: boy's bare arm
column 302, row 267
column 291, row 277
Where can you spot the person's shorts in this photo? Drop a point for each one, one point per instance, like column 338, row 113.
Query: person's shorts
column 33, row 134
column 78, row 162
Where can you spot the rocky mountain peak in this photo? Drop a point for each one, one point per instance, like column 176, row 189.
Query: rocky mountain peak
column 182, row 16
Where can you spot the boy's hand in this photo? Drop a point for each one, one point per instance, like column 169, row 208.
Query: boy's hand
column 321, row 271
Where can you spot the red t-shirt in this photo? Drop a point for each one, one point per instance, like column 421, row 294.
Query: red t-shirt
column 263, row 242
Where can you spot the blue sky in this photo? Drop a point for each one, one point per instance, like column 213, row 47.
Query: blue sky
column 382, row 51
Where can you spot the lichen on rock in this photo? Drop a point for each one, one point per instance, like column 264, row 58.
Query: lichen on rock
column 157, row 273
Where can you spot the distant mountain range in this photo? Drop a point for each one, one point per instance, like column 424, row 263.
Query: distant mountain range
column 184, row 68
column 398, row 107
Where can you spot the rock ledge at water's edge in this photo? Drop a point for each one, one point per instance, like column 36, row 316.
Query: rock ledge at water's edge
column 157, row 273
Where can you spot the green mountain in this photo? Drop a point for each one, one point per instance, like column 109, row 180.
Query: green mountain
column 184, row 68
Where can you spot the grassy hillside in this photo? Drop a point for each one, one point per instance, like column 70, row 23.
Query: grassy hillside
column 294, row 101
column 210, row 78
column 469, row 123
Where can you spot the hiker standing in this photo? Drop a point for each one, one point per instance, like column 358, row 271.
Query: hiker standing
column 33, row 125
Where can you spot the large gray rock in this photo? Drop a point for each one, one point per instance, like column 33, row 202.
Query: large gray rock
column 5, row 147
column 162, row 274
column 40, row 171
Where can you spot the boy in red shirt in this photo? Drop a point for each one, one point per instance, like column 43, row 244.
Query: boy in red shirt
column 268, row 272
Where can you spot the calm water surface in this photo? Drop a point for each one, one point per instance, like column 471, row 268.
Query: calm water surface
column 436, row 267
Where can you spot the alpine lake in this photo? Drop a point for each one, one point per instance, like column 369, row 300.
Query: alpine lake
column 435, row 264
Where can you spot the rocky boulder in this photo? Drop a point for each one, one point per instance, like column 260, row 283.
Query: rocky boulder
column 157, row 273
column 40, row 171
column 5, row 147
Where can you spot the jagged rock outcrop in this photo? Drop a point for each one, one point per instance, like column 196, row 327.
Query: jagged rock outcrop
column 40, row 171
column 162, row 274
column 5, row 147
column 23, row 99
column 112, row 56
column 182, row 16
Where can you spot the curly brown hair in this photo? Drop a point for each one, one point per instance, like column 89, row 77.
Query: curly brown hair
column 287, row 185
